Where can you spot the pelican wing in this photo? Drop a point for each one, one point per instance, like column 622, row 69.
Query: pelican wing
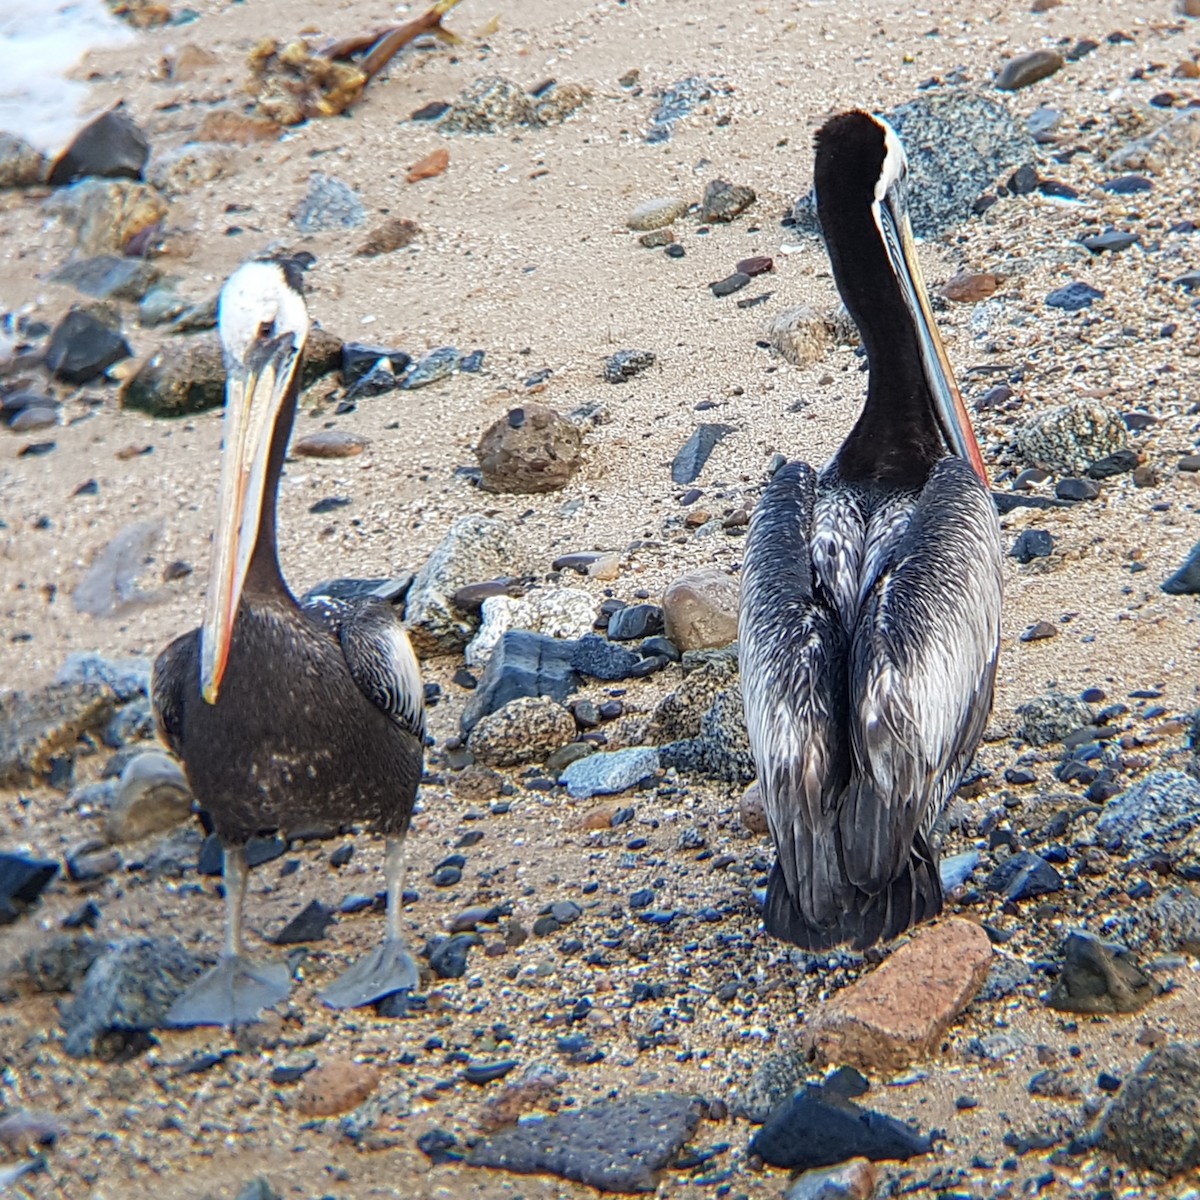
column 793, row 655
column 175, row 676
column 923, row 663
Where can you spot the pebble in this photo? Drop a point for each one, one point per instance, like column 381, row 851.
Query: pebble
column 1023, row 876
column 1160, row 807
column 328, row 204
column 759, row 264
column 392, row 234
column 1074, row 297
column 655, row 238
column 853, row 1180
column 182, row 169
column 752, row 811
column 723, row 201
column 901, row 1011
column 819, row 1127
column 611, row 772
column 1052, row 717
column 1076, row 489
column 20, row 164
column 448, row 956
column 530, row 449
column 1127, row 185
column 526, row 730
column 1120, row 462
column 151, row 796
column 125, row 995
column 22, row 881
column 335, row 1086
column 625, row 364
column 84, row 344
column 35, row 417
column 112, row 146
column 694, row 453
column 700, row 609
column 614, row 1145
column 109, row 277
column 1185, row 581
column 1043, row 124
column 308, row 925
column 1031, row 544
column 1152, row 1123
column 522, row 664
column 433, row 367
column 657, row 213
column 330, row 443
column 1099, row 977
column 635, row 621
column 970, row 288
column 1027, row 69
column 1111, row 240
column 729, row 285
column 801, row 335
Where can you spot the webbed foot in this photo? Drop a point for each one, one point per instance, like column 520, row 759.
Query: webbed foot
column 388, row 968
column 234, row 992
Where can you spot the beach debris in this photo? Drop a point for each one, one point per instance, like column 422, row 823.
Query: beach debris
column 110, row 585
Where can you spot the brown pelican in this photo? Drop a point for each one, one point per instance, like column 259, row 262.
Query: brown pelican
column 285, row 716
column 870, row 612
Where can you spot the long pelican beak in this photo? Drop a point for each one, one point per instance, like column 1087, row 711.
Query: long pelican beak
column 255, row 388
column 951, row 411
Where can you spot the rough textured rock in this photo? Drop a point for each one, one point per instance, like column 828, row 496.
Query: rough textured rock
column 560, row 613
column 335, row 1086
column 774, row 1082
column 328, row 204
column 22, row 881
column 187, row 376
column 152, row 796
column 523, row 664
column 724, row 200
column 1050, row 718
column 625, row 364
column 184, row 168
column 657, row 213
column 20, row 164
column 615, row 1145
column 1160, row 807
column 1066, row 440
column 124, row 995
column 1154, row 1123
column 525, row 730
column 474, row 548
column 854, row 1180
column 85, row 343
column 700, row 609
column 37, row 726
column 1099, row 977
column 106, row 214
column 801, row 335
column 695, row 452
column 611, row 772
column 899, row 1013
column 111, row 147
column 530, row 449
column 109, row 277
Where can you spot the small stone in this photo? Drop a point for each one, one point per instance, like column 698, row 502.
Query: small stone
column 525, row 730
column 112, row 147
column 183, row 169
column 1112, row 240
column 800, row 335
column 187, row 377
column 429, row 167
column 853, row 1180
column 635, row 621
column 1074, row 297
column 1119, row 463
column 625, row 364
column 1099, row 977
column 655, row 238
column 1023, row 876
column 1127, row 185
column 1153, row 1123
column 610, row 772
column 760, row 264
column 489, row 103
column 22, row 881
column 700, row 609
column 20, row 164
column 438, row 364
column 966, row 288
column 33, row 418
column 1031, row 544
column 335, row 1086
column 1028, row 69
column 328, row 204
column 448, row 958
column 900, row 1012
column 394, row 234
column 330, row 443
column 531, row 449
column 729, row 285
column 1039, row 631
column 109, row 277
column 1076, row 489
column 723, row 200
column 152, row 796
column 656, row 214
column 1024, row 180
column 695, row 452
column 84, row 345
column 752, row 811
column 257, row 1189
column 1067, row 439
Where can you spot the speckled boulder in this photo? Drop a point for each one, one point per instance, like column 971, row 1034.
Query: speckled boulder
column 475, row 548
column 680, row 713
column 525, row 730
column 801, row 335
column 562, row 613
column 1154, row 1123
column 489, row 103
column 1161, row 807
column 20, row 164
column 1050, row 718
column 530, row 449
column 722, row 748
column 1066, row 440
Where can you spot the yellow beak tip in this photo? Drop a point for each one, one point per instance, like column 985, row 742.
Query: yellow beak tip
column 209, row 692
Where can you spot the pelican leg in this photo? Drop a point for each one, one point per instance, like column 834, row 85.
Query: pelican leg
column 389, row 967
column 237, row 989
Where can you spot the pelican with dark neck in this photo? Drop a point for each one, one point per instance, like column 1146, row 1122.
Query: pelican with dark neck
column 870, row 611
column 287, row 717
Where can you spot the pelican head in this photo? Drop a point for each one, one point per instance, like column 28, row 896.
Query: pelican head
column 861, row 185
column 263, row 324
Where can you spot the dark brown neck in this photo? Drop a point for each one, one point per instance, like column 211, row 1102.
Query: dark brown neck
column 264, row 578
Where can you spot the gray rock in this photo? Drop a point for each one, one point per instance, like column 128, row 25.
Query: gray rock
column 594, row 656
column 1160, row 807
column 700, row 609
column 635, row 621
column 184, row 168
column 161, row 304
column 617, row 1145
column 84, row 345
column 20, row 164
column 112, row 146
column 625, row 364
column 724, row 200
column 108, row 215
column 694, row 453
column 611, row 772
column 110, row 585
column 1074, row 297
column 109, row 277
column 126, row 994
column 775, row 1081
column 1099, row 977
column 1005, row 976
column 847, row 1181
column 1174, row 918
column 32, row 418
column 522, row 664
column 61, row 963
column 959, row 143
column 1154, row 1123
column 530, row 449
column 475, row 548
column 1027, row 69
column 1185, row 581
column 1050, row 718
column 677, row 101
column 1024, row 876
column 151, row 796
column 257, row 1189
column 433, row 367
column 487, row 104
column 328, row 204
column 185, row 377
column 956, row 869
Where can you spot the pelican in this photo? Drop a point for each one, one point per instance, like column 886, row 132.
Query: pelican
column 870, row 612
column 286, row 716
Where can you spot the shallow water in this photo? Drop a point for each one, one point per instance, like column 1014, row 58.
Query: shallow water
column 40, row 41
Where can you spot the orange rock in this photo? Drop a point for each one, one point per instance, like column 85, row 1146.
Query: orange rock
column 225, row 125
column 599, row 818
column 430, row 166
column 335, row 1087
column 966, row 288
column 900, row 1012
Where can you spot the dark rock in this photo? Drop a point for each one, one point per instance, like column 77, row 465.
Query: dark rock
column 22, row 881
column 1073, row 297
column 1031, row 544
column 378, row 381
column 1023, row 181
column 1119, row 463
column 257, row 1189
column 109, row 277
column 625, row 364
column 1054, row 187
column 1185, row 581
column 1127, row 185
column 1028, row 69
column 1039, row 631
column 438, row 1146
column 636, row 621
column 530, row 449
column 481, row 1073
column 660, row 647
column 84, row 345
column 617, row 1145
column 597, row 657
column 1154, row 1124
column 471, row 364
column 1081, row 49
column 724, row 200
column 524, row 664
column 440, row 363
column 448, row 957
column 1076, row 489
column 358, row 361
column 308, row 925
column 729, row 285
column 694, row 453
column 126, row 994
column 186, row 377
column 111, row 147
column 1023, row 876
column 819, row 1127
column 1111, row 240
column 1099, row 977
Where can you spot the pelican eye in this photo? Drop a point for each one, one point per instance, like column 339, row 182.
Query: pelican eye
column 266, row 331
